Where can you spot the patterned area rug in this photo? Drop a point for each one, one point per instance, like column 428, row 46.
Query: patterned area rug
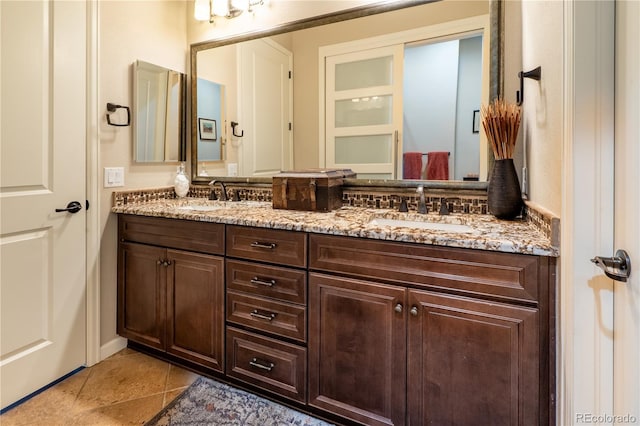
column 207, row 402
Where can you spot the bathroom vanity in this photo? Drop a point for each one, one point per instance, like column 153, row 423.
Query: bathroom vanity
column 357, row 320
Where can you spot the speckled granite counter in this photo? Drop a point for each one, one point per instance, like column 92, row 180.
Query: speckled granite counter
column 475, row 231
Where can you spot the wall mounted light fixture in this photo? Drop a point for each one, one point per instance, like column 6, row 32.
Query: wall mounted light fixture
column 207, row 10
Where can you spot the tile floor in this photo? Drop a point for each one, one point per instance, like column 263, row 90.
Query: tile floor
column 127, row 388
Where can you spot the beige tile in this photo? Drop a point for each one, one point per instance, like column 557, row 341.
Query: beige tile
column 133, row 412
column 171, row 395
column 117, row 380
column 179, row 378
column 123, row 352
column 126, row 388
column 50, row 407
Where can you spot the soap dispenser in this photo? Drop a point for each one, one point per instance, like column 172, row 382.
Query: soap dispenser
column 181, row 182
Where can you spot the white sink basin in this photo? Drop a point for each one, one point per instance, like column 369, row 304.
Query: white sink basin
column 197, row 208
column 415, row 224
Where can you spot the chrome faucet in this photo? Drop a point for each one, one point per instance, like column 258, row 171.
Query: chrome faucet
column 223, row 190
column 422, row 205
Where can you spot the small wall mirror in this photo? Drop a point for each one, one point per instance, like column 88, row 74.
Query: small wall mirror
column 159, row 114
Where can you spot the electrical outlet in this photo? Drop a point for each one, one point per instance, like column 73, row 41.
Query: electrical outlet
column 113, row 177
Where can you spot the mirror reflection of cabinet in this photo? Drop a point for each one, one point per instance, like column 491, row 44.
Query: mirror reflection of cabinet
column 159, row 114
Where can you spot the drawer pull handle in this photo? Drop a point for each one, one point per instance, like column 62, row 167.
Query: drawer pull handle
column 267, row 282
column 268, row 316
column 264, row 365
column 258, row 244
column 398, row 308
column 414, row 311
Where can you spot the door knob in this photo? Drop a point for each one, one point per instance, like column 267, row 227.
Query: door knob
column 617, row 267
column 72, row 207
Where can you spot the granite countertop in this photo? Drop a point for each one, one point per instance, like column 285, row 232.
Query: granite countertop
column 475, row 231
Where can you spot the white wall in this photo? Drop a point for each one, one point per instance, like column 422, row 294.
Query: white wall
column 155, row 32
column 430, row 94
column 467, row 146
column 220, row 65
column 542, row 26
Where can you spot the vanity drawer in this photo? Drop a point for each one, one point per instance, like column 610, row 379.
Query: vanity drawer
column 478, row 273
column 267, row 363
column 203, row 237
column 289, row 285
column 282, row 319
column 267, row 245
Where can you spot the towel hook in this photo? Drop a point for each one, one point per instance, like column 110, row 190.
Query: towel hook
column 534, row 74
column 233, row 130
column 112, row 108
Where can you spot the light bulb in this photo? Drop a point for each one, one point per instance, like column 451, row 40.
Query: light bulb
column 240, row 4
column 220, row 7
column 201, row 10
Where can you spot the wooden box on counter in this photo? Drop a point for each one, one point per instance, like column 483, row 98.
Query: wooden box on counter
column 310, row 190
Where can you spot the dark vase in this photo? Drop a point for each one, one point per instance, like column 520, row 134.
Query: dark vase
column 504, row 197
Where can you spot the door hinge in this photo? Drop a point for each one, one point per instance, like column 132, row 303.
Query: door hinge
column 290, row 74
column 290, row 126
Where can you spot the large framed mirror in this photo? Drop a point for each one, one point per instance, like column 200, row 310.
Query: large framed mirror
column 302, row 112
column 159, row 111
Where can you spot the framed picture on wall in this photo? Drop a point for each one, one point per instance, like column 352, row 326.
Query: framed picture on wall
column 476, row 121
column 208, row 129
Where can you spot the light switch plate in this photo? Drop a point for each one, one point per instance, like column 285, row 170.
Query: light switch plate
column 113, row 177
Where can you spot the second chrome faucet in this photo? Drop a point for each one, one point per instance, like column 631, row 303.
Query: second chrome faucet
column 422, row 204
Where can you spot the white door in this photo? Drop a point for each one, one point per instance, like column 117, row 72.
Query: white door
column 364, row 111
column 265, row 108
column 42, row 159
column 626, row 334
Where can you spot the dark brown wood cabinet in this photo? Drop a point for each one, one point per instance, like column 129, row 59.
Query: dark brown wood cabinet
column 266, row 289
column 419, row 335
column 142, row 294
column 171, row 300
column 371, row 332
column 357, row 349
column 472, row 362
column 195, row 318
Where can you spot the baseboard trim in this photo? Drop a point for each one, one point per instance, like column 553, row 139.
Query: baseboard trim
column 111, row 347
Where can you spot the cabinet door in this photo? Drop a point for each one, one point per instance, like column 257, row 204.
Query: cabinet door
column 195, row 308
column 141, row 294
column 357, row 349
column 471, row 362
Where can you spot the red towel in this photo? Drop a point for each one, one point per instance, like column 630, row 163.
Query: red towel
column 411, row 165
column 438, row 165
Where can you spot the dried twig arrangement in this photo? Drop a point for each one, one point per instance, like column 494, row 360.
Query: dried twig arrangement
column 501, row 122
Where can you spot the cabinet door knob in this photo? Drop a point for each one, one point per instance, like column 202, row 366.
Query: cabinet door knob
column 414, row 311
column 398, row 308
